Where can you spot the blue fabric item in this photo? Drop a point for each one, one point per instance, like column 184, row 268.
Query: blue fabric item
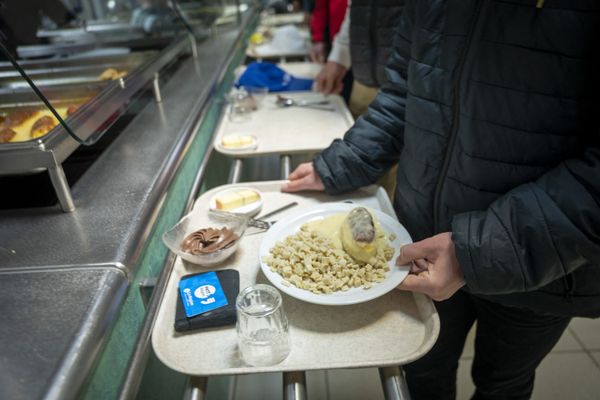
column 263, row 74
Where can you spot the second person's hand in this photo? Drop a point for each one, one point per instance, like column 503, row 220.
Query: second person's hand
column 329, row 80
column 305, row 177
column 318, row 52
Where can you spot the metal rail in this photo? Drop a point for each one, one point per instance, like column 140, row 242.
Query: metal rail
column 196, row 388
column 394, row 384
column 235, row 173
column 294, row 385
column 141, row 351
column 140, row 354
column 286, row 163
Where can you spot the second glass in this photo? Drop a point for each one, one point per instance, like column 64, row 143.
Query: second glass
column 262, row 327
column 241, row 104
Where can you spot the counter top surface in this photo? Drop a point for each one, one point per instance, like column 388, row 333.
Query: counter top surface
column 49, row 321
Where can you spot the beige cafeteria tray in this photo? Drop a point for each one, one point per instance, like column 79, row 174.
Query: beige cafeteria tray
column 288, row 130
column 275, row 49
column 392, row 330
column 282, row 19
column 302, row 69
column 298, row 69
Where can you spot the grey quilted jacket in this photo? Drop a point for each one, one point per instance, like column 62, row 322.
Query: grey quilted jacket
column 492, row 112
column 372, row 27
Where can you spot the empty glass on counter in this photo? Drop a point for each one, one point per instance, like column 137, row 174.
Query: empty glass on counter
column 241, row 105
column 262, row 327
column 258, row 92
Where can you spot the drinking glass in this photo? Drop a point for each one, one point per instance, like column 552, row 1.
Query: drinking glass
column 258, row 92
column 262, row 327
column 241, row 105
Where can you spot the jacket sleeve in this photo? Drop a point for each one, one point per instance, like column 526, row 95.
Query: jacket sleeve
column 318, row 21
column 374, row 143
column 536, row 233
column 340, row 49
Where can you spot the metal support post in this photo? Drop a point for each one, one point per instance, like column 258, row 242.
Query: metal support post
column 238, row 12
column 394, row 384
column 196, row 388
column 61, row 186
column 156, row 86
column 235, row 173
column 286, row 165
column 193, row 46
column 294, row 385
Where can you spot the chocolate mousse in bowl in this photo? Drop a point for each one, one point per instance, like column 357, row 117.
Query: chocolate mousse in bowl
column 208, row 240
column 205, row 241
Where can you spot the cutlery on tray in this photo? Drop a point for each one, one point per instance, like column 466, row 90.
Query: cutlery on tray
column 259, row 223
column 289, row 102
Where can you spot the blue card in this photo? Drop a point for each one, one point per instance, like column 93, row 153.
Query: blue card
column 201, row 293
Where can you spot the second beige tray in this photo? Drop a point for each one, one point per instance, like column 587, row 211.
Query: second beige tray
column 288, row 130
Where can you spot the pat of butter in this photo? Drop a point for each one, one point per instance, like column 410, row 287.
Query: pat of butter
column 257, row 38
column 231, row 200
column 236, row 141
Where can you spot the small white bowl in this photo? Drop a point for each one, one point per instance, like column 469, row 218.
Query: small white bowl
column 250, row 146
column 175, row 236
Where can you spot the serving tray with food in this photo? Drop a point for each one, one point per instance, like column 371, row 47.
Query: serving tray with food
column 390, row 327
column 273, row 127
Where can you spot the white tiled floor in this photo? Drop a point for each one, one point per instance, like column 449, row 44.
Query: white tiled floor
column 568, row 372
column 571, row 371
column 587, row 331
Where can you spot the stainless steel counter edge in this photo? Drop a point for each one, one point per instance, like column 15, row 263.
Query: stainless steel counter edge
column 55, row 321
column 87, row 342
column 139, row 357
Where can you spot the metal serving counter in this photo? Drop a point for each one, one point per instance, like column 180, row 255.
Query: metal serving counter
column 64, row 276
column 52, row 321
column 51, row 150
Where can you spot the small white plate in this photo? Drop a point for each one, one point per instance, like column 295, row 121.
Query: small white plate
column 290, row 225
column 248, row 210
column 250, row 146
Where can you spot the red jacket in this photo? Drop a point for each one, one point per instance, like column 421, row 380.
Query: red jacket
column 327, row 16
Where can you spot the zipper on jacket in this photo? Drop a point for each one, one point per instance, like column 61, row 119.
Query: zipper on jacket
column 373, row 41
column 454, row 129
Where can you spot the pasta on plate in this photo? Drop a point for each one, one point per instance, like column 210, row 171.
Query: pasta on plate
column 315, row 261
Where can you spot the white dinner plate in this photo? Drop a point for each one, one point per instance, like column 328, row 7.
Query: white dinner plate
column 292, row 224
column 249, row 210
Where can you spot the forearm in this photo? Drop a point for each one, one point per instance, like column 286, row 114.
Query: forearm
column 340, row 51
column 368, row 149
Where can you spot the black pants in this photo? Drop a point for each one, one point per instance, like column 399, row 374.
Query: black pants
column 348, row 81
column 509, row 345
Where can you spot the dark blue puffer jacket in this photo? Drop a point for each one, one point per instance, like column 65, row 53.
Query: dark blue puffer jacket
column 372, row 27
column 492, row 112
